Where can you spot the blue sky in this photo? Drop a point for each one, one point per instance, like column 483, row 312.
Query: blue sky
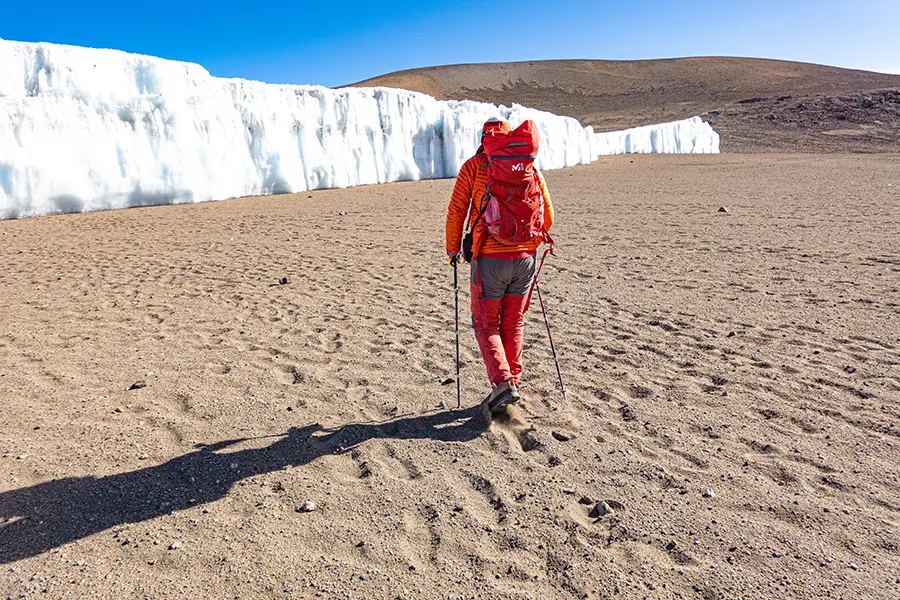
column 343, row 42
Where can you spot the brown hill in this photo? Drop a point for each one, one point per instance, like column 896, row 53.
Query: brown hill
column 754, row 103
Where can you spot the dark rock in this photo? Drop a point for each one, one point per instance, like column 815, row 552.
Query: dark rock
column 528, row 440
column 562, row 437
column 722, row 209
column 448, row 381
column 586, row 500
column 138, row 385
column 283, row 281
column 601, row 509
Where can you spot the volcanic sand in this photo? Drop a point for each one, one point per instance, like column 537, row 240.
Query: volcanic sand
column 753, row 353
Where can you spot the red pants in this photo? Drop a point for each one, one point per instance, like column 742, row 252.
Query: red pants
column 499, row 293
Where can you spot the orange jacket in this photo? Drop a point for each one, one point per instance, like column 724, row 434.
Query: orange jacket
column 468, row 199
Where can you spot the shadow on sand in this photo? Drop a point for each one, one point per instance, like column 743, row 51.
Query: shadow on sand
column 48, row 515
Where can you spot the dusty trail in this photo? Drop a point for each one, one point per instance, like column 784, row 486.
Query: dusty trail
column 754, row 353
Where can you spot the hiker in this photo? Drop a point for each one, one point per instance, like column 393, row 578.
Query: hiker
column 503, row 260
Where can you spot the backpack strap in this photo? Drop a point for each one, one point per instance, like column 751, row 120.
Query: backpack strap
column 487, row 196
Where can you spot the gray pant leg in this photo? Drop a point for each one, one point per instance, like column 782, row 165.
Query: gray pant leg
column 500, row 278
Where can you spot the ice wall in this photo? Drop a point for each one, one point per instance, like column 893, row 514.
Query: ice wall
column 691, row 136
column 85, row 129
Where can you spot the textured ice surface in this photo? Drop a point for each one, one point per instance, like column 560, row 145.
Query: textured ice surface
column 88, row 129
column 691, row 136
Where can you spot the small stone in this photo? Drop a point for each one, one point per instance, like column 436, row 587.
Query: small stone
column 117, row 410
column 601, row 509
column 341, row 213
column 529, row 441
column 854, row 566
column 722, row 209
column 447, row 381
column 22, row 457
column 175, row 545
column 234, row 465
column 586, row 500
column 283, row 281
column 710, row 493
column 850, row 369
column 138, row 385
column 777, row 554
column 561, row 437
column 731, row 334
column 307, row 506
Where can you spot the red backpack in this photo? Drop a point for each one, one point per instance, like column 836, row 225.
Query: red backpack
column 514, row 209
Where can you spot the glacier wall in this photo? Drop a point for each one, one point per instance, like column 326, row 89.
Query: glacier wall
column 691, row 136
column 85, row 129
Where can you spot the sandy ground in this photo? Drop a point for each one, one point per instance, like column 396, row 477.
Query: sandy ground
column 754, row 353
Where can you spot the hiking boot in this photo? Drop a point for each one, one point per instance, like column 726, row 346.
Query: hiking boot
column 503, row 394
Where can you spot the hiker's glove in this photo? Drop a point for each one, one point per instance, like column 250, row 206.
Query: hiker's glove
column 452, row 259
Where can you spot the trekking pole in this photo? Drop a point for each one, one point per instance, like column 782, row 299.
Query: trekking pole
column 456, row 302
column 549, row 335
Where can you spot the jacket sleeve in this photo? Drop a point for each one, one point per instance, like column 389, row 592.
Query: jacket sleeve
column 460, row 202
column 548, row 206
